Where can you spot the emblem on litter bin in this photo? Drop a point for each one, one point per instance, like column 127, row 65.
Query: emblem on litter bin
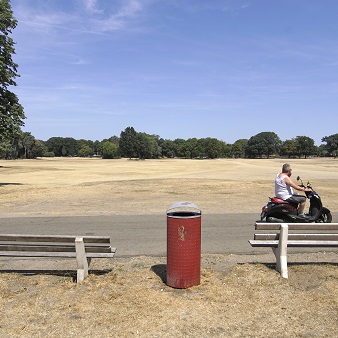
column 182, row 233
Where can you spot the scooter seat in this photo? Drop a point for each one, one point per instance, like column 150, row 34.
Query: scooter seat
column 278, row 201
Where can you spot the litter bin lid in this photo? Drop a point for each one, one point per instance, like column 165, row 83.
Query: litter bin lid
column 183, row 205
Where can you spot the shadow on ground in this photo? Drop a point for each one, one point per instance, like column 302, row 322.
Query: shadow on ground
column 161, row 271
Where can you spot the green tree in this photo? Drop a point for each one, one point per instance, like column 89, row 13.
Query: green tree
column 96, row 147
column 114, row 139
column 194, row 148
column 38, row 149
column 322, row 151
column 21, row 145
column 305, row 146
column 238, row 148
column 263, row 144
column 180, row 147
column 109, row 150
column 62, row 146
column 168, row 148
column 147, row 146
column 331, row 144
column 226, row 152
column 70, row 147
column 128, row 142
column 212, row 147
column 14, row 147
column 143, row 146
column 6, row 148
column 82, row 142
column 86, row 151
column 156, row 147
column 27, row 141
column 54, row 145
column 11, row 111
column 289, row 148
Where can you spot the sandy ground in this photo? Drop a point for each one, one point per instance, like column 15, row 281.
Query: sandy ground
column 239, row 295
column 122, row 187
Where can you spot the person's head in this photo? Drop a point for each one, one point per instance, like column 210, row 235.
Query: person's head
column 286, row 169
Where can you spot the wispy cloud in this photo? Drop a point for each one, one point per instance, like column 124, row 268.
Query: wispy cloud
column 89, row 18
column 194, row 6
column 130, row 9
column 92, row 7
column 120, row 18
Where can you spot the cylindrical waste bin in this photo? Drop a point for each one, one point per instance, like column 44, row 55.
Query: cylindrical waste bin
column 183, row 245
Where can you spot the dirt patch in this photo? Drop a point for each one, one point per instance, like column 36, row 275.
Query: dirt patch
column 239, row 295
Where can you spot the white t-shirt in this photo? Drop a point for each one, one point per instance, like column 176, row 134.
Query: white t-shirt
column 282, row 190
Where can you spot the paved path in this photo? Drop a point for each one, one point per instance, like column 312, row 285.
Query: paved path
column 144, row 234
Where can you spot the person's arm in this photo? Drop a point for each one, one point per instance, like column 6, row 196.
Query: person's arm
column 289, row 182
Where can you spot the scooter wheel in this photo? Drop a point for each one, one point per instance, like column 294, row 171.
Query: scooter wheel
column 325, row 217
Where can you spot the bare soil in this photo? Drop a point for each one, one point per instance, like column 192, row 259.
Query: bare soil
column 239, row 295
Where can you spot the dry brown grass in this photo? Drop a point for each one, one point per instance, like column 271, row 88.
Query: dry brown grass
column 239, row 296
column 103, row 187
column 249, row 300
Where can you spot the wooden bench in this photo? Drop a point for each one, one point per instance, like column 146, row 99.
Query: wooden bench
column 282, row 235
column 83, row 248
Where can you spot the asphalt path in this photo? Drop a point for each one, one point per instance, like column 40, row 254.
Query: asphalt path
column 137, row 235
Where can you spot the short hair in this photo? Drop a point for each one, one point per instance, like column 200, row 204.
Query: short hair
column 286, row 168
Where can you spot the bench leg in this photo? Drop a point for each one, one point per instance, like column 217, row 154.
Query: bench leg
column 281, row 251
column 82, row 262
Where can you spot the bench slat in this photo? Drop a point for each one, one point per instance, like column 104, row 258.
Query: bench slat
column 311, row 237
column 54, row 254
column 53, row 238
column 297, row 226
column 52, row 248
column 260, row 243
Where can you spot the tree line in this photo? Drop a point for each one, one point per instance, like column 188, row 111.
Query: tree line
column 133, row 144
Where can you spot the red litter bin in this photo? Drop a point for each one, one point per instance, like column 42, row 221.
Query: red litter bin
column 183, row 245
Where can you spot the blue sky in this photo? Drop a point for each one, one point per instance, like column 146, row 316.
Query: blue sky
column 228, row 69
